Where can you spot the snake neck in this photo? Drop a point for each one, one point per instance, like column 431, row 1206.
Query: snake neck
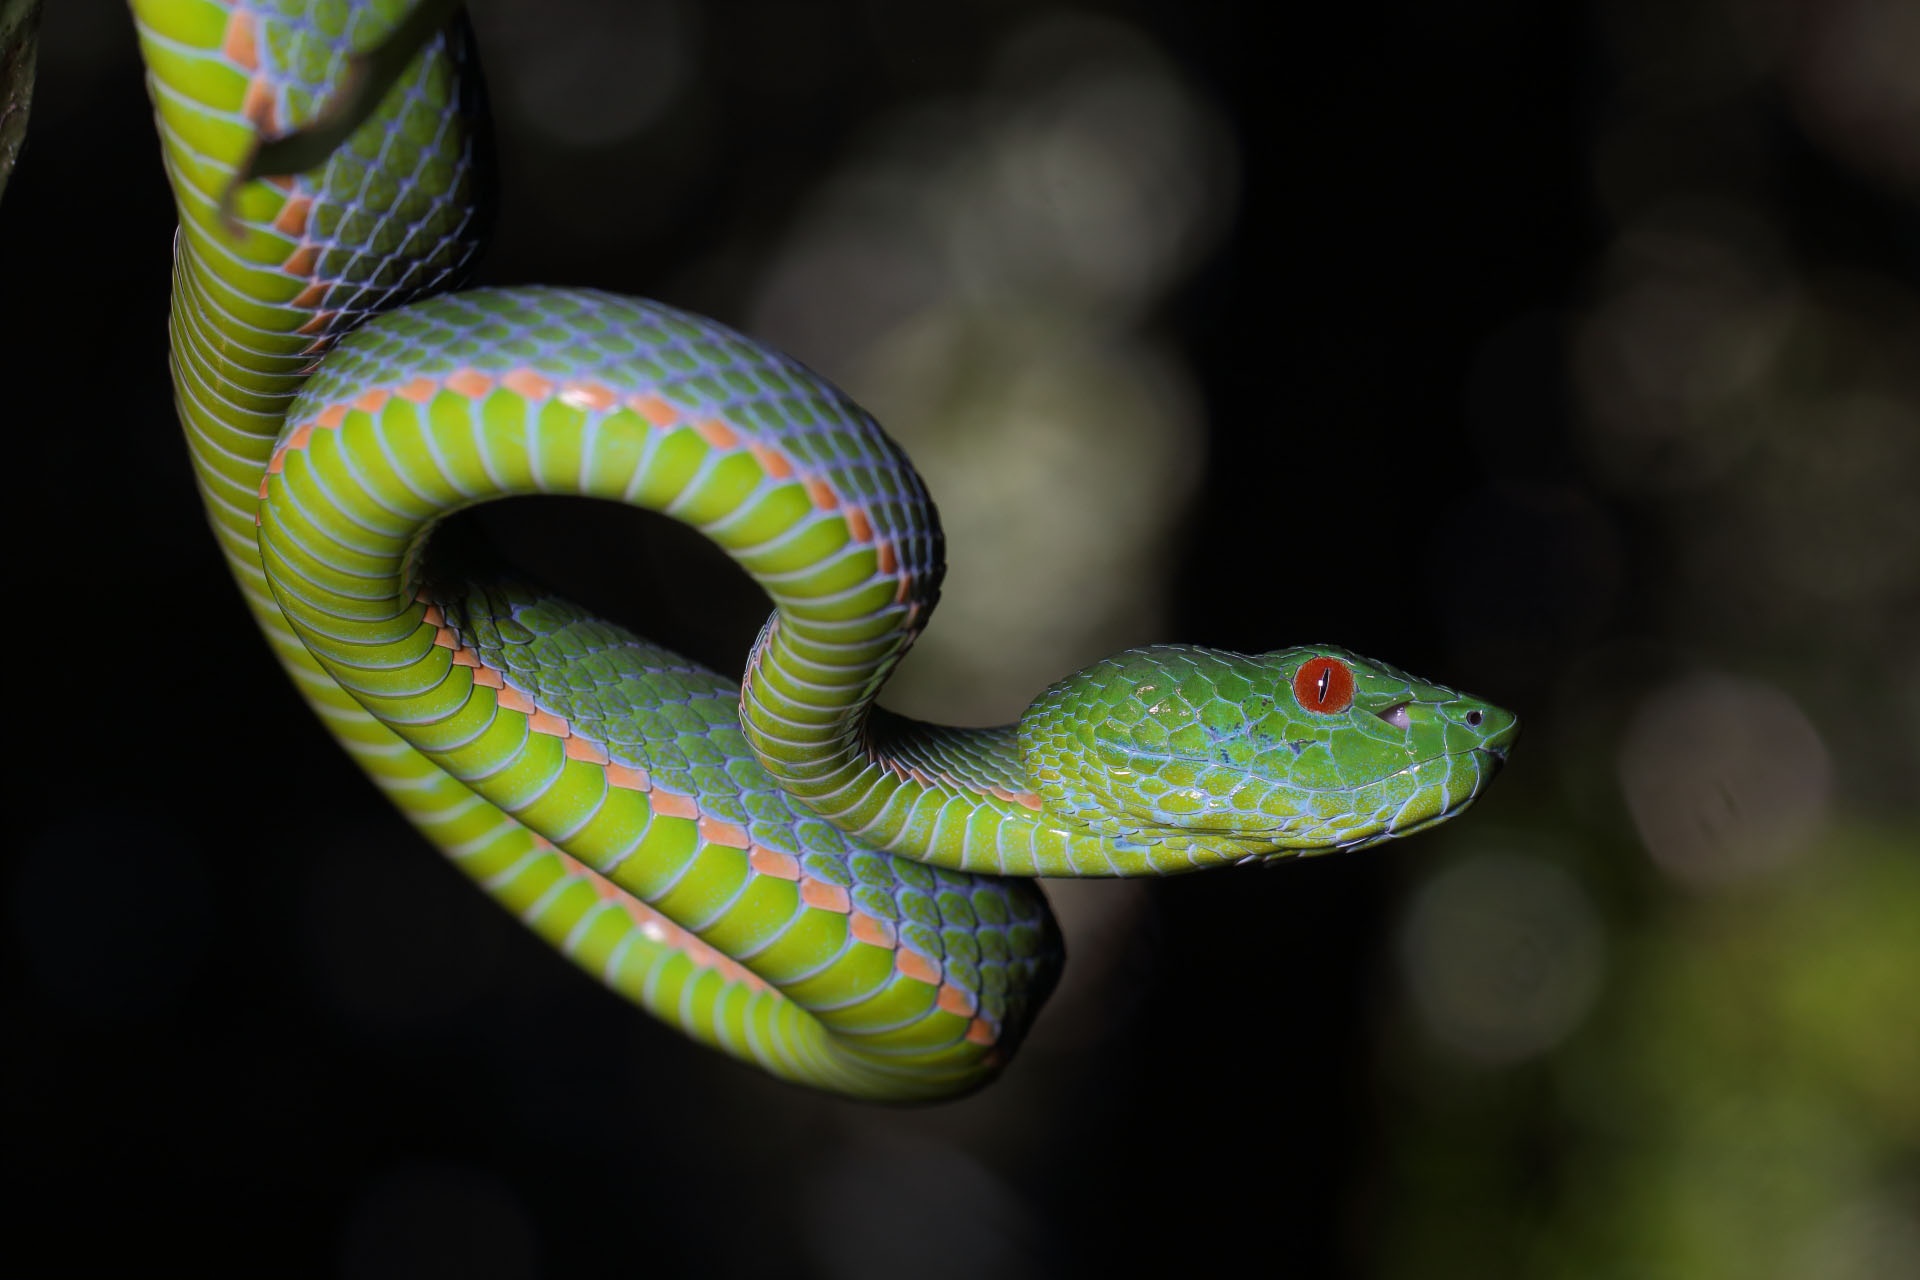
column 953, row 797
column 270, row 272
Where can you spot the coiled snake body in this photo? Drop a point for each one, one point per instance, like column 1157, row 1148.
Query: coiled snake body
column 780, row 870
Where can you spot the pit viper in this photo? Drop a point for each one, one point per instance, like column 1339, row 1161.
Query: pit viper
column 778, row 868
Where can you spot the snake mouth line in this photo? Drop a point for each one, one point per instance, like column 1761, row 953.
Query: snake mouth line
column 1497, row 757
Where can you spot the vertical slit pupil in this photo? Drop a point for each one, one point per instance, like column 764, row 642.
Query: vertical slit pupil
column 1323, row 686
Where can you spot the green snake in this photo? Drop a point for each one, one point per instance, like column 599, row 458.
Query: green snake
column 779, row 868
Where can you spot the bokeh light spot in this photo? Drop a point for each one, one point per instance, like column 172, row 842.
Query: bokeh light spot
column 1504, row 956
column 1725, row 778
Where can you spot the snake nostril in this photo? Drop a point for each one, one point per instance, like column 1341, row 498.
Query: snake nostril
column 1473, row 718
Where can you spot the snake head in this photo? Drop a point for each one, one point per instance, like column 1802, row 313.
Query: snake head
column 1231, row 757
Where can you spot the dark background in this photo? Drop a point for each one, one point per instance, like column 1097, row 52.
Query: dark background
column 254, row 1025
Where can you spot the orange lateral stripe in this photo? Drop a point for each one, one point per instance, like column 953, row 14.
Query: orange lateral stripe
column 313, row 295
column 332, row 416
column 420, row 390
column 872, row 930
column 432, row 616
column 888, row 561
column 654, row 410
column 514, row 700
column 470, row 383
column 718, row 434
column 258, row 106
column 579, row 748
column 628, row 779
column 239, row 43
column 444, row 637
column 489, row 677
column 858, row 525
column 980, row 1031
column 822, row 494
column 276, row 462
column 302, row 261
column 549, row 723
column 771, row 862
column 292, row 218
column 527, row 383
column 715, row 831
column 772, row 461
column 917, row 966
column 587, row 395
column 466, row 658
column 674, row 806
column 298, row 438
column 373, row 401
column 827, row 897
column 956, row 1001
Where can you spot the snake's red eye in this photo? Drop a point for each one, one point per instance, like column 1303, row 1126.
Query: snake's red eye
column 1324, row 685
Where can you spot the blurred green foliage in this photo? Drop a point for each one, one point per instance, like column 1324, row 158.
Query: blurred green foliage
column 1727, row 779
column 1745, row 1101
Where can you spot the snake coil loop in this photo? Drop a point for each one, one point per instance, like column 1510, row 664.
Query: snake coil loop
column 783, row 872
